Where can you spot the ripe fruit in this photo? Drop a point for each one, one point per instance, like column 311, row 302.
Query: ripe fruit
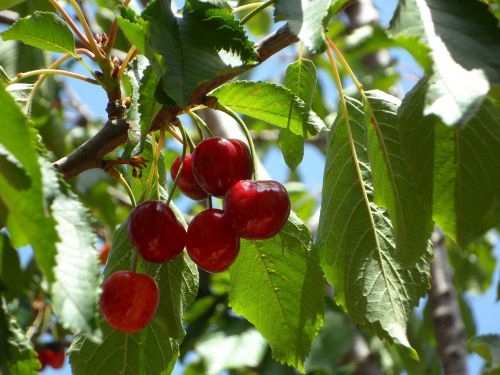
column 43, row 358
column 218, row 163
column 56, row 358
column 257, row 210
column 104, row 253
column 186, row 182
column 211, row 243
column 155, row 232
column 129, row 300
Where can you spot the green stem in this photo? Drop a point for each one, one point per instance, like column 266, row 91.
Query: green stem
column 250, row 6
column 21, row 76
column 93, row 45
column 248, row 136
column 199, row 122
column 255, row 11
column 184, row 148
column 127, row 187
column 351, row 74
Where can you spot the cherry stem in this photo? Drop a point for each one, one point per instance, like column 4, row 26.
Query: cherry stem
column 255, row 11
column 250, row 6
column 159, row 147
column 21, row 76
column 248, row 136
column 112, row 32
column 127, row 187
column 184, row 149
column 351, row 74
column 200, row 124
column 132, row 52
column 93, row 45
column 70, row 22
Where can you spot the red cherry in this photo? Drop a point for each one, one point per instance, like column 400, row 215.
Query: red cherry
column 257, row 210
column 211, row 243
column 43, row 358
column 129, row 300
column 56, row 358
column 218, row 163
column 155, row 232
column 186, row 182
column 104, row 253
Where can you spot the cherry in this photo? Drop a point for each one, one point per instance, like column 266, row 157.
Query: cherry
column 186, row 182
column 211, row 243
column 104, row 253
column 155, row 232
column 43, row 358
column 218, row 163
column 129, row 300
column 257, row 210
column 56, row 358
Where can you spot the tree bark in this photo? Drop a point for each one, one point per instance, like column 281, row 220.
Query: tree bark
column 448, row 325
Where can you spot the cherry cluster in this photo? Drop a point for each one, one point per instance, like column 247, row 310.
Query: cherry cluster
column 53, row 357
column 253, row 209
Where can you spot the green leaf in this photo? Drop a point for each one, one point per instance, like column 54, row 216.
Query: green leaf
column 154, row 350
column 231, row 347
column 148, row 106
column 16, row 352
column 300, row 79
column 10, row 269
column 43, row 30
column 462, row 41
column 456, row 170
column 473, row 268
column 334, row 340
column 488, row 347
column 75, row 292
column 377, row 285
column 305, row 19
column 133, row 28
column 269, row 102
column 205, row 42
column 392, row 184
column 277, row 285
column 28, row 219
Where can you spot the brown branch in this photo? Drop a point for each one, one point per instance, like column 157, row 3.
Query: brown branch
column 113, row 134
column 448, row 325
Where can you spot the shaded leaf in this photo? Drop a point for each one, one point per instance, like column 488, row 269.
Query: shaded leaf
column 462, row 41
column 377, row 285
column 43, row 30
column 305, row 19
column 392, row 184
column 10, row 269
column 277, row 285
column 16, row 352
column 300, row 79
column 455, row 170
column 206, row 41
column 488, row 347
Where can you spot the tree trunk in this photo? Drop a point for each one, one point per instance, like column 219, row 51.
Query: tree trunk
column 448, row 325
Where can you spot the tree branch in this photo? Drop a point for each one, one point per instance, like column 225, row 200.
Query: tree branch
column 448, row 325
column 113, row 134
